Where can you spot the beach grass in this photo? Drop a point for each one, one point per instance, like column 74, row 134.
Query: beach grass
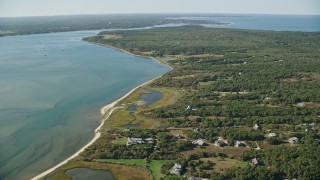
column 119, row 118
column 122, row 116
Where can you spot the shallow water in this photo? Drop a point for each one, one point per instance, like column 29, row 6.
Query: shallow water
column 151, row 97
column 52, row 87
column 148, row 98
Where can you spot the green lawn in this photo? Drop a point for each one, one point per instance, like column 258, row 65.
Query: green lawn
column 124, row 161
column 154, row 165
column 225, row 163
column 120, row 141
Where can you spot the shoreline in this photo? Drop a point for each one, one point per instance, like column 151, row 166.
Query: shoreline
column 127, row 52
column 107, row 109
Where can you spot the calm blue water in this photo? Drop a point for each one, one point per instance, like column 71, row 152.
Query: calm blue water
column 52, row 87
column 263, row 22
column 149, row 98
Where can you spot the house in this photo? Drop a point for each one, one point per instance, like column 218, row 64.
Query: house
column 196, row 130
column 256, row 127
column 219, row 143
column 272, row 135
column 267, row 98
column 239, row 144
column 149, row 140
column 293, row 140
column 189, row 107
column 176, row 169
column 134, row 141
column 199, row 142
column 255, row 161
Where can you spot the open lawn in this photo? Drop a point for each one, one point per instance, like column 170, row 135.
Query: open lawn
column 154, row 165
column 229, row 150
column 120, row 141
column 124, row 161
column 224, row 163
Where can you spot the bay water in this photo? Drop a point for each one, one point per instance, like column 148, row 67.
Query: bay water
column 52, row 87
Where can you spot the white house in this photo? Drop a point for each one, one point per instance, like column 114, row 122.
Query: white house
column 256, row 127
column 176, row 169
column 239, row 144
column 149, row 140
column 293, row 140
column 255, row 161
column 134, row 141
column 219, row 143
column 272, row 135
column 199, row 142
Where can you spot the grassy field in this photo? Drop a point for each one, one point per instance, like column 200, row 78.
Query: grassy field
column 154, row 165
column 121, row 141
column 124, row 161
column 224, row 163
column 120, row 118
column 229, row 150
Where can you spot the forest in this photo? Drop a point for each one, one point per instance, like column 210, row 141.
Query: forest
column 229, row 81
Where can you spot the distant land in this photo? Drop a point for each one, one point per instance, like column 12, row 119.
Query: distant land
column 49, row 24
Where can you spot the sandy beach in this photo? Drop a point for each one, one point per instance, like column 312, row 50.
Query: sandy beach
column 105, row 111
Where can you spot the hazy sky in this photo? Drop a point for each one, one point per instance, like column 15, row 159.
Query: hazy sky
column 63, row 7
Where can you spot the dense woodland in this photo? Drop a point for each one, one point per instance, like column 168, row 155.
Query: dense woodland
column 232, row 79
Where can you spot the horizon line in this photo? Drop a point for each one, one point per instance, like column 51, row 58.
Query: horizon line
column 157, row 13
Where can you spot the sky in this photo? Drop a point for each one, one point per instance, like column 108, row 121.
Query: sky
column 9, row 8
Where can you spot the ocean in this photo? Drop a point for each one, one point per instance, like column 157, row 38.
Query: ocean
column 305, row 23
column 52, row 87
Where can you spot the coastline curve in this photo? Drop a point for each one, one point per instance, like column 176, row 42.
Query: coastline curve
column 105, row 112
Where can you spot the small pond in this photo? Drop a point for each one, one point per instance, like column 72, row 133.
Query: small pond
column 89, row 174
column 148, row 98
